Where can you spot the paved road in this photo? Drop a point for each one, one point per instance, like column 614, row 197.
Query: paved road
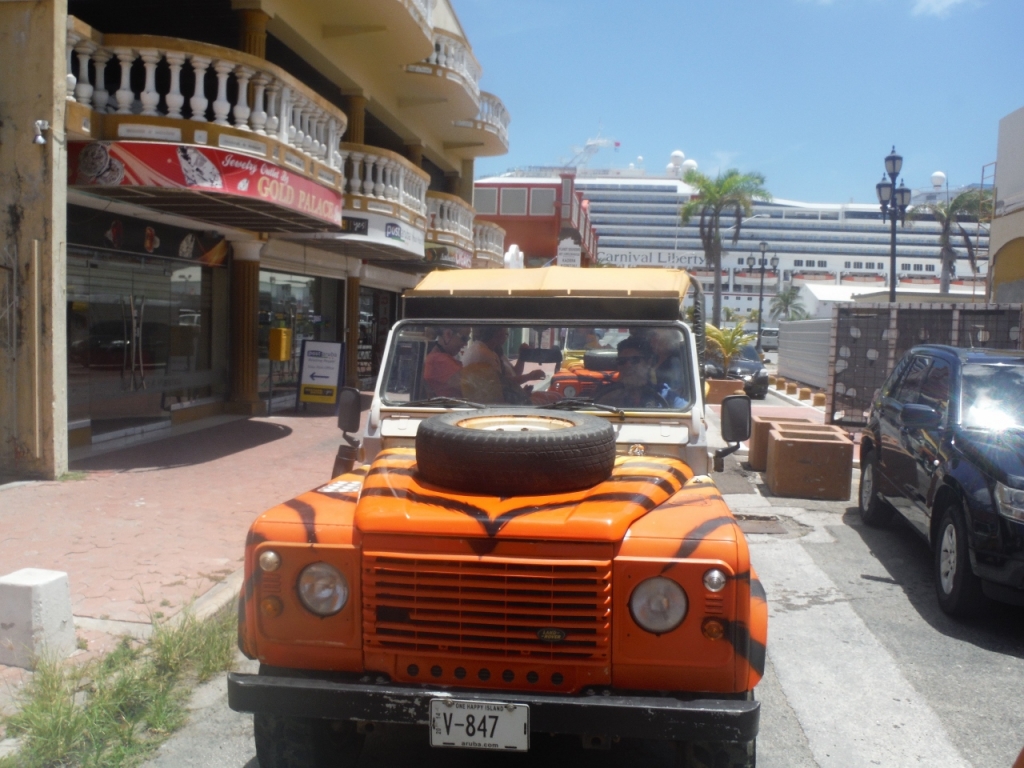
column 864, row 670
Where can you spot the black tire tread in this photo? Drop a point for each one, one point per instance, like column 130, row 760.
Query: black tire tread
column 968, row 598
column 878, row 513
column 292, row 742
column 515, row 463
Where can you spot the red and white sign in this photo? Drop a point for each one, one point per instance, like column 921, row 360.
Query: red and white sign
column 183, row 166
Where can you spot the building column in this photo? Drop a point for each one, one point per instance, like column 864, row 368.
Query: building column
column 466, row 187
column 356, row 132
column 414, row 154
column 33, row 218
column 352, row 283
column 245, row 300
column 252, row 31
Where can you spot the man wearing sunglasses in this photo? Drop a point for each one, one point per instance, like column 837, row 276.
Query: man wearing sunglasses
column 635, row 387
column 442, row 370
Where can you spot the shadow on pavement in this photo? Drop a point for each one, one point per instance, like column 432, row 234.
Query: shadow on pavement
column 999, row 628
column 186, row 450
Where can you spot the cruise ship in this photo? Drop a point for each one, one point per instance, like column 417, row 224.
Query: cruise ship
column 635, row 215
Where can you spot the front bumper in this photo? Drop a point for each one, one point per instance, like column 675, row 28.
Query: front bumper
column 614, row 715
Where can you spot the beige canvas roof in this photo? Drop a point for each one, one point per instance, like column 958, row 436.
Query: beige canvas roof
column 635, row 282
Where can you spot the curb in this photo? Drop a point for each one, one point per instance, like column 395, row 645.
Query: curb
column 794, row 401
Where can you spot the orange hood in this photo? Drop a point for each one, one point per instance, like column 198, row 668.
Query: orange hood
column 395, row 501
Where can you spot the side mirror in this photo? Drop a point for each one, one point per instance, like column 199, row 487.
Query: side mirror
column 736, row 420
column 349, row 409
column 920, row 417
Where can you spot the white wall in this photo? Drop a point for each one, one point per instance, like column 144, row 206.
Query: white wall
column 804, row 350
column 1010, row 163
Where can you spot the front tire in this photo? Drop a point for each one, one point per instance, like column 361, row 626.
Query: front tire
column 956, row 585
column 717, row 754
column 873, row 511
column 292, row 742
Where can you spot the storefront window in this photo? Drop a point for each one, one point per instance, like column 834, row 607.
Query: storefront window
column 139, row 332
column 307, row 306
column 378, row 311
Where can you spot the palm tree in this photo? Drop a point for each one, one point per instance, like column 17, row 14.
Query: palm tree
column 728, row 341
column 753, row 315
column 787, row 305
column 728, row 314
column 732, row 192
column 970, row 203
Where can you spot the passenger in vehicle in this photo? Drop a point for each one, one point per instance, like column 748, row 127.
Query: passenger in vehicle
column 635, row 387
column 668, row 367
column 442, row 371
column 488, row 376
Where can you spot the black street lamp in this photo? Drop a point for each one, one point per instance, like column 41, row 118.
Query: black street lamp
column 894, row 202
column 760, row 296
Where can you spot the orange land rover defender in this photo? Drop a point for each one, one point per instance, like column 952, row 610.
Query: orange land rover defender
column 496, row 559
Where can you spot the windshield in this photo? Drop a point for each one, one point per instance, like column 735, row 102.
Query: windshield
column 640, row 367
column 992, row 397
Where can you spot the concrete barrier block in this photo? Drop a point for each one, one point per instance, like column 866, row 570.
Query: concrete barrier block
column 803, row 393
column 780, row 383
column 771, row 381
column 760, row 427
column 35, row 616
column 818, row 399
column 811, row 464
column 720, row 388
column 791, row 388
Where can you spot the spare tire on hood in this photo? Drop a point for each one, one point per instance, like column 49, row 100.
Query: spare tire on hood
column 514, row 452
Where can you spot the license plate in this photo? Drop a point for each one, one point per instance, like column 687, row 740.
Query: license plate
column 479, row 725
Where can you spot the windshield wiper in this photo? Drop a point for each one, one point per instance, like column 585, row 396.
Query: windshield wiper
column 453, row 401
column 577, row 403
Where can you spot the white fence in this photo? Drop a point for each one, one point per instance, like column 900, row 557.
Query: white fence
column 804, row 350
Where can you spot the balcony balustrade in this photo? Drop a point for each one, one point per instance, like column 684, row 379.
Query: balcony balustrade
column 422, row 8
column 450, row 220
column 191, row 84
column 452, row 55
column 382, row 181
column 488, row 245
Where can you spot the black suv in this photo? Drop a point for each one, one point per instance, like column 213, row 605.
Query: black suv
column 944, row 447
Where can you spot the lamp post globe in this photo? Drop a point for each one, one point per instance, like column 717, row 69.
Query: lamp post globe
column 893, row 202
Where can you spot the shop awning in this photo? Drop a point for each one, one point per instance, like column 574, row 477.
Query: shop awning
column 206, row 184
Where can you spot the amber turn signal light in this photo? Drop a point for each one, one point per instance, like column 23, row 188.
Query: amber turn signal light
column 713, row 629
column 271, row 607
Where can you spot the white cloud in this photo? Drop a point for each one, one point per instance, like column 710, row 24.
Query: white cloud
column 935, row 7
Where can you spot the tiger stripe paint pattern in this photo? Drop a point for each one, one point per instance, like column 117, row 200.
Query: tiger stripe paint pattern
column 651, row 517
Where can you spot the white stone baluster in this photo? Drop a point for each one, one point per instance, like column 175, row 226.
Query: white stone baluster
column 174, row 98
column 332, row 143
column 241, row 112
column 284, row 118
column 221, row 105
column 149, row 97
column 72, row 40
column 402, row 173
column 340, row 157
column 100, row 95
column 273, row 117
column 315, row 126
column 259, row 114
column 83, row 88
column 307, row 135
column 124, row 95
column 354, row 183
column 378, row 177
column 371, row 161
column 199, row 102
column 295, row 136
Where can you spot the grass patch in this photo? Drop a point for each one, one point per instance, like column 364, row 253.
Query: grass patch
column 73, row 476
column 113, row 712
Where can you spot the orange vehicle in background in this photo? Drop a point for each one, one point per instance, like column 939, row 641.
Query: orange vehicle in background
column 533, row 562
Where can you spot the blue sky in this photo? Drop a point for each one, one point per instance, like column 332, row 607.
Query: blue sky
column 811, row 93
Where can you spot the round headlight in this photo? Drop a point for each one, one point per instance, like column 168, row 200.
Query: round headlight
column 322, row 589
column 715, row 580
column 569, row 391
column 658, row 605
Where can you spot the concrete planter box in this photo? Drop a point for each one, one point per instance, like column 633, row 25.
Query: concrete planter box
column 761, row 426
column 721, row 388
column 809, row 463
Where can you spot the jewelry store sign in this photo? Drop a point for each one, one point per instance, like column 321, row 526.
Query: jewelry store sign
column 644, row 257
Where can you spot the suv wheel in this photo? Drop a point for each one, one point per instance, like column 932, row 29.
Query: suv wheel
column 717, row 754
column 292, row 742
column 957, row 587
column 873, row 511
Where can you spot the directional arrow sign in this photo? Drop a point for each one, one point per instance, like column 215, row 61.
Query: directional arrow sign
column 321, row 364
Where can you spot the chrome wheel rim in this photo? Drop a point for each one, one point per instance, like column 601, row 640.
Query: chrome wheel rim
column 947, row 559
column 867, row 487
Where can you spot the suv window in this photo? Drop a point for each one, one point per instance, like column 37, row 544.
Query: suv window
column 936, row 386
column 891, row 383
column 910, row 389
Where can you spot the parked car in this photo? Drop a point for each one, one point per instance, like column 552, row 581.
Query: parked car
column 769, row 338
column 944, row 447
column 745, row 366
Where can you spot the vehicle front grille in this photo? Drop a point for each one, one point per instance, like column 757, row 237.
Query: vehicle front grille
column 529, row 609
